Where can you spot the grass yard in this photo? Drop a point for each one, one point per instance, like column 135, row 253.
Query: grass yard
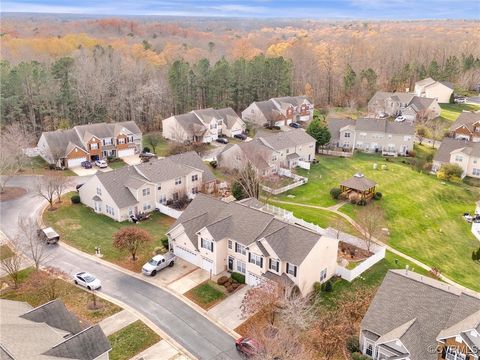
column 38, row 166
column 82, row 228
column 424, row 215
column 117, row 163
column 450, row 112
column 5, row 252
column 206, row 294
column 132, row 340
column 423, row 151
column 160, row 150
column 36, row 288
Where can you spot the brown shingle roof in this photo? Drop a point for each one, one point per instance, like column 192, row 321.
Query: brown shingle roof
column 359, row 182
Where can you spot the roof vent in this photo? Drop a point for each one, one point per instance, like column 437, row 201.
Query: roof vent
column 359, row 175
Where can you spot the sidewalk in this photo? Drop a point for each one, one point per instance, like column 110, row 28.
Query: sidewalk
column 117, row 322
column 160, row 351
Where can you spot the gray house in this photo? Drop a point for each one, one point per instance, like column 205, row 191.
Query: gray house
column 48, row 332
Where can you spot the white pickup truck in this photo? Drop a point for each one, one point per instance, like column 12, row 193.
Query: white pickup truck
column 157, row 263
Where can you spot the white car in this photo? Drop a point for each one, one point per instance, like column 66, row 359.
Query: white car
column 87, row 280
column 157, row 263
column 101, row 163
column 400, row 118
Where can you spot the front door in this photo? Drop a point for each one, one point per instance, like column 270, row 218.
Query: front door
column 230, row 263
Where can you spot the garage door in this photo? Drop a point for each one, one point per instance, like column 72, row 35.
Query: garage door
column 207, row 264
column 186, row 255
column 236, row 132
column 126, row 152
column 252, row 279
column 76, row 162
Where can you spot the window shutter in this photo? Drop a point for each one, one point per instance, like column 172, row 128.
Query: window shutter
column 269, row 263
column 211, row 246
column 236, row 247
column 294, row 270
column 249, row 257
column 261, row 262
column 288, row 268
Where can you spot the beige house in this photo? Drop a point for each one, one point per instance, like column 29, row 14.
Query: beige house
column 204, row 125
column 48, row 332
column 238, row 237
column 464, row 153
column 439, row 90
column 131, row 190
column 411, row 106
column 372, row 135
column 279, row 111
column 466, row 127
column 269, row 153
column 69, row 148
column 414, row 317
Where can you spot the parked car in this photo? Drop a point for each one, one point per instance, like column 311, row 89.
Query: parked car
column 400, row 118
column 460, row 100
column 294, row 125
column 48, row 235
column 222, row 140
column 240, row 136
column 87, row 280
column 383, row 115
column 101, row 163
column 86, row 164
column 157, row 263
column 146, row 156
column 248, row 347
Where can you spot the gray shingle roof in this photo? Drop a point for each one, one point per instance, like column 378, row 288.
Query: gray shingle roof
column 449, row 144
column 246, row 225
column 421, row 302
column 191, row 124
column 421, row 103
column 359, row 182
column 105, row 130
column 115, row 183
column 334, row 126
column 59, row 141
column 269, row 110
column 229, row 116
column 286, row 139
column 384, row 126
column 466, row 119
column 192, row 159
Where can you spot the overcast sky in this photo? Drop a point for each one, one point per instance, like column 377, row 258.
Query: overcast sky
column 318, row 9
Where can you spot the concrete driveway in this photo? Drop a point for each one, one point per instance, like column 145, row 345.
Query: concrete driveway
column 132, row 160
column 228, row 311
column 80, row 171
column 189, row 281
column 171, row 274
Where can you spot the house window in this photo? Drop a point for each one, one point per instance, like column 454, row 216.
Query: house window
column 130, row 211
column 476, row 172
column 288, row 150
column 347, row 135
column 178, row 181
column 99, row 192
column 241, row 268
column 130, row 138
column 162, row 199
column 206, row 244
column 107, row 141
column 323, row 275
column 93, row 146
column 274, row 158
column 274, row 265
column 159, row 187
column 292, row 269
column 255, row 259
column 146, row 206
column 194, row 190
column 406, row 138
column 175, row 196
column 220, row 122
column 239, row 248
column 458, row 158
column 121, row 140
column 237, row 157
column 109, row 210
column 369, row 350
column 194, row 177
column 146, row 192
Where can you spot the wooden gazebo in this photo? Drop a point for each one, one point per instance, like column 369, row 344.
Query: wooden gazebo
column 360, row 185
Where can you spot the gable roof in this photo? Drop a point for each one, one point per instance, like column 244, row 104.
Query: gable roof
column 192, row 159
column 207, row 115
column 229, row 116
column 450, row 145
column 426, row 81
column 246, row 225
column 286, row 139
column 60, row 142
column 416, row 309
column 191, row 124
column 467, row 119
column 335, row 125
column 384, row 126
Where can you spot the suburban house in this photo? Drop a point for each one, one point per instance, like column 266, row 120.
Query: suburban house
column 414, row 317
column 411, row 106
column 267, row 154
column 204, row 125
column 439, row 90
column 279, row 111
column 237, row 237
column 142, row 188
column 48, row 332
column 372, row 135
column 69, row 148
column 464, row 153
column 466, row 127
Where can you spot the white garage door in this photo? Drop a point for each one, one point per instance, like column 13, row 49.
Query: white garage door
column 252, row 279
column 186, row 255
column 207, row 264
column 236, row 132
column 76, row 162
column 126, row 152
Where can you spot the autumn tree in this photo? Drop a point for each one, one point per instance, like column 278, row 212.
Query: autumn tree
column 248, row 181
column 32, row 244
column 263, row 297
column 60, row 184
column 371, row 221
column 421, row 134
column 46, row 187
column 12, row 265
column 131, row 238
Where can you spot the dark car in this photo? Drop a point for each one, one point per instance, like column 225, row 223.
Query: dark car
column 86, row 164
column 248, row 346
column 294, row 125
column 222, row 140
column 240, row 136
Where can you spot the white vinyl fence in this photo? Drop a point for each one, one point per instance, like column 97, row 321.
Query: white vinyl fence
column 288, row 216
column 476, row 230
column 164, row 209
column 298, row 181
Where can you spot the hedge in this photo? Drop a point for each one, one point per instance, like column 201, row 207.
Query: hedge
column 238, row 277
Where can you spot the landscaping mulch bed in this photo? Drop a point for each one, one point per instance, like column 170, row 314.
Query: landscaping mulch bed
column 11, row 193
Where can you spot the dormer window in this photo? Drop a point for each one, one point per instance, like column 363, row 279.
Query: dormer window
column 274, row 265
column 178, row 181
column 93, row 146
column 121, row 140
column 292, row 269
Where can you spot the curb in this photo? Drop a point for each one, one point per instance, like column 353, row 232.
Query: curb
column 180, row 297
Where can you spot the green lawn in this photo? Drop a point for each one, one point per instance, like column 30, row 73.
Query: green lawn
column 5, row 252
column 423, row 151
column 450, row 112
column 206, row 294
column 82, row 228
column 38, row 166
column 131, row 340
column 423, row 215
column 161, row 149
column 117, row 163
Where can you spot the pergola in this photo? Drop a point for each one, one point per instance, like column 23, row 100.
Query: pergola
column 359, row 184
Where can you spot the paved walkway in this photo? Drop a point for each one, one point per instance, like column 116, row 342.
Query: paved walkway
column 189, row 281
column 117, row 322
column 359, row 228
column 162, row 350
column 228, row 311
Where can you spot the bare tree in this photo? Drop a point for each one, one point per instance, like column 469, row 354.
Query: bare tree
column 60, row 183
column 46, row 187
column 13, row 264
column 249, row 181
column 371, row 220
column 437, row 130
column 30, row 242
column 153, row 140
column 263, row 297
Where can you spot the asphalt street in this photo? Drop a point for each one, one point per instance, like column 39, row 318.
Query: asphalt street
column 197, row 334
